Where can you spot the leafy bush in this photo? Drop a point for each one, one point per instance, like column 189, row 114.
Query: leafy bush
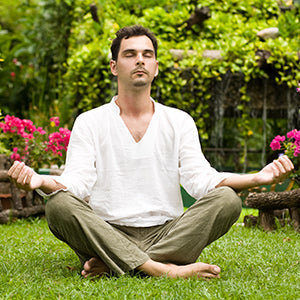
column 63, row 47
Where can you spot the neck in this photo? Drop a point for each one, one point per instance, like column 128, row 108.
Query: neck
column 135, row 102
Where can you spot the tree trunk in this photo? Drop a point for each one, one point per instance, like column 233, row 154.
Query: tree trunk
column 267, row 220
column 295, row 216
column 3, row 176
column 6, row 215
column 268, row 202
column 16, row 197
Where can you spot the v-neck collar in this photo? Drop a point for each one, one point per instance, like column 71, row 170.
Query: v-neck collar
column 117, row 111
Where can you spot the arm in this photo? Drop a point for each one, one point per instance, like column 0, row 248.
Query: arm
column 277, row 171
column 27, row 179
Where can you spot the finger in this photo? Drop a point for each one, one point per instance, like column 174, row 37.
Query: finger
column 279, row 167
column 13, row 168
column 283, row 170
column 29, row 176
column 23, row 175
column 16, row 171
column 276, row 172
column 286, row 162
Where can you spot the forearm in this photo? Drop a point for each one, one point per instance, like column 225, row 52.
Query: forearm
column 240, row 182
column 277, row 171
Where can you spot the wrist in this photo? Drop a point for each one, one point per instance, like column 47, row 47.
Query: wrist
column 258, row 179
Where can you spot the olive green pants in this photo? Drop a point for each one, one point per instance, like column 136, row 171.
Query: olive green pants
column 122, row 248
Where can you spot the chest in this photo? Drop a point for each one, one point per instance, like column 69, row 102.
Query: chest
column 137, row 126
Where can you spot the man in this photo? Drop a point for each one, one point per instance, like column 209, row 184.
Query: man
column 130, row 157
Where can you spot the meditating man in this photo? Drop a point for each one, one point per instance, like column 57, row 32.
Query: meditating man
column 129, row 157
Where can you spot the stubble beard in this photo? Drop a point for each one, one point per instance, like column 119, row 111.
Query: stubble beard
column 140, row 83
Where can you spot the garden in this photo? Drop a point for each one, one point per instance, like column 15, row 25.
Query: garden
column 234, row 66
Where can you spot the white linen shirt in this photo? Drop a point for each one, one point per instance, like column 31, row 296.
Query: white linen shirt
column 136, row 183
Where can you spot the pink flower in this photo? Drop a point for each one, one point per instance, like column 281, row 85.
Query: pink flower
column 12, row 75
column 27, row 140
column 291, row 134
column 297, row 151
column 41, row 130
column 279, row 138
column 275, row 144
column 54, row 121
column 58, row 141
column 15, row 155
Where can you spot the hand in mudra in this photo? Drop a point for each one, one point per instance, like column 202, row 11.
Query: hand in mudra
column 276, row 171
column 24, row 177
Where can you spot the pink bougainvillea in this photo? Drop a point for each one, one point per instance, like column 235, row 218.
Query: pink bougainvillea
column 58, row 141
column 276, row 143
column 54, row 121
column 289, row 144
column 32, row 144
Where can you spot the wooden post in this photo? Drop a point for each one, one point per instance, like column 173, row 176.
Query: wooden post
column 267, row 219
column 16, row 197
column 295, row 216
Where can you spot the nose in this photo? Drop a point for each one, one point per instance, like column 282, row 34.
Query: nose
column 140, row 60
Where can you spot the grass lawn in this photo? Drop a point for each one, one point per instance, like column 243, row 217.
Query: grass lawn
column 255, row 265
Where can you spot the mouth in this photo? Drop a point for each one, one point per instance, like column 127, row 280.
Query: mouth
column 140, row 71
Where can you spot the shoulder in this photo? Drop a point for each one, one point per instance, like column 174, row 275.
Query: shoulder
column 94, row 116
column 174, row 114
column 92, row 122
column 94, row 113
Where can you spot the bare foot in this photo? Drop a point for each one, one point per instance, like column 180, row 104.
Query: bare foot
column 198, row 269
column 94, row 267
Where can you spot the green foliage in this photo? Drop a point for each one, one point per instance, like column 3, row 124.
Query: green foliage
column 38, row 39
column 63, row 47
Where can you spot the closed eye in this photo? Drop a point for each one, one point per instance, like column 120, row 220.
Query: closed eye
column 148, row 54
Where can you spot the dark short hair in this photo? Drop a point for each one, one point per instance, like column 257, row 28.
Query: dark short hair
column 128, row 32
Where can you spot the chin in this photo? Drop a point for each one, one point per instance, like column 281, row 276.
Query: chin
column 140, row 83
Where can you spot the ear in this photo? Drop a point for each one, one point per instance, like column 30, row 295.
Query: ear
column 157, row 69
column 113, row 67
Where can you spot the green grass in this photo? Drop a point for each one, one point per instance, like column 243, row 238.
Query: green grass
column 255, row 265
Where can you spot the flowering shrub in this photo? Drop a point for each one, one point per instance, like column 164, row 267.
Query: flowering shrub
column 290, row 145
column 23, row 141
column 58, row 142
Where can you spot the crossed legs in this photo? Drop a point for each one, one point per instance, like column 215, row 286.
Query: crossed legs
column 170, row 253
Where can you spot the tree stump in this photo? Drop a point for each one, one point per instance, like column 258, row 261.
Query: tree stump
column 268, row 202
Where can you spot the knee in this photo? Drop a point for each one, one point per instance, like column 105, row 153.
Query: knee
column 55, row 204
column 230, row 201
column 58, row 208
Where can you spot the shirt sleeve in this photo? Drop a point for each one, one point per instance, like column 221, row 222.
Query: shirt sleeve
column 196, row 175
column 80, row 172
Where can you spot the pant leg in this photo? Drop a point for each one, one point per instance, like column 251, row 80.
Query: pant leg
column 73, row 221
column 183, row 239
